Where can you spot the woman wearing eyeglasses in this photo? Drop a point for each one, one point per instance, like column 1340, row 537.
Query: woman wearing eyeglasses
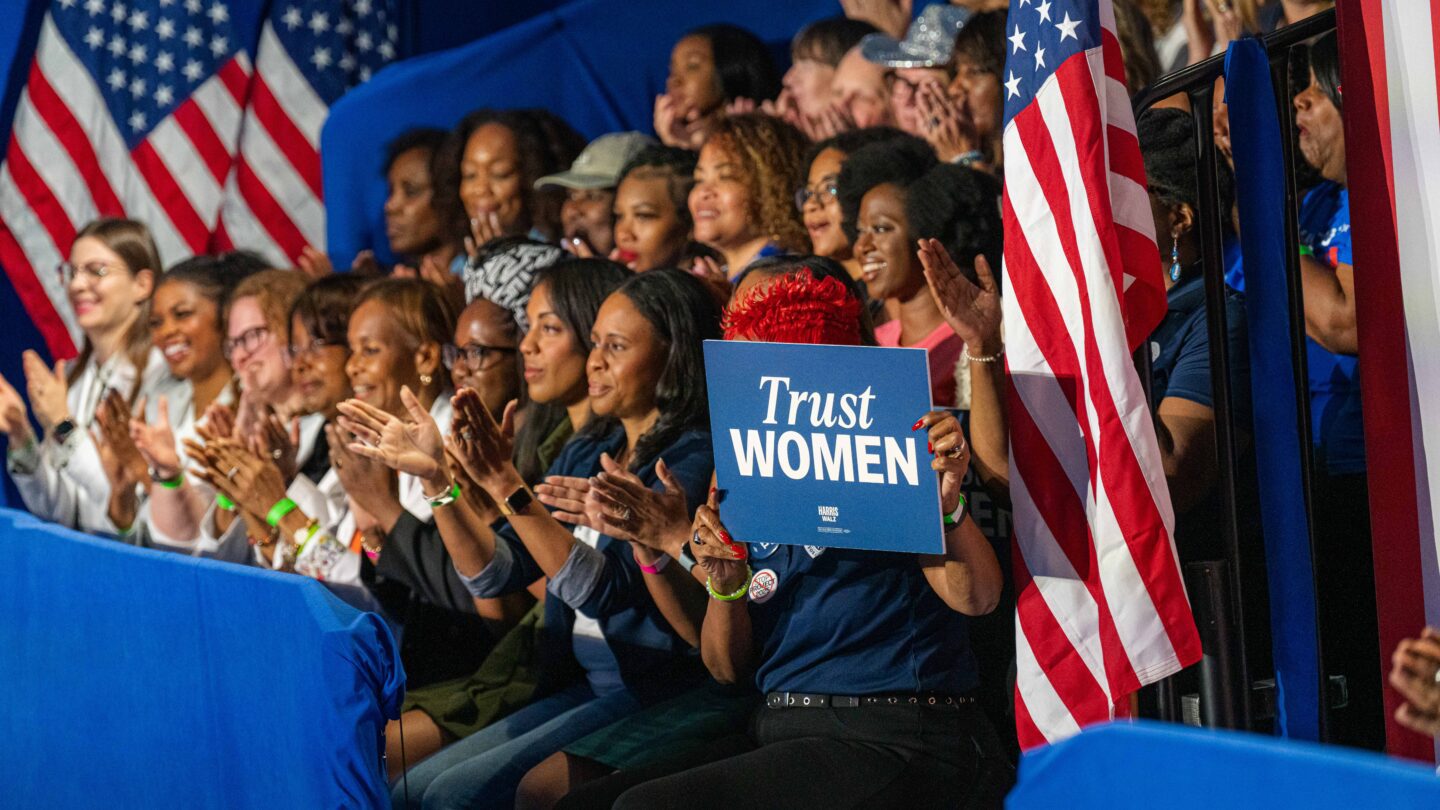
column 61, row 474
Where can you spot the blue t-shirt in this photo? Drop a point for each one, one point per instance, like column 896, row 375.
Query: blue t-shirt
column 1180, row 350
column 1336, row 427
column 846, row 622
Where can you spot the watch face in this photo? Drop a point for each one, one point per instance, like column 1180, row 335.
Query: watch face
column 518, row 500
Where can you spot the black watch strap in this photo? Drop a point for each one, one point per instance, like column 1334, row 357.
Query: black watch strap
column 516, row 502
column 63, row 429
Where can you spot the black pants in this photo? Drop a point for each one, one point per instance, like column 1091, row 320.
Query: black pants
column 903, row 756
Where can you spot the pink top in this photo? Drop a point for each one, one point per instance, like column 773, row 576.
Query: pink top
column 944, row 347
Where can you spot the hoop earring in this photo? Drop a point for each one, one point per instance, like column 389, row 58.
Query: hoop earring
column 1174, row 258
column 425, row 379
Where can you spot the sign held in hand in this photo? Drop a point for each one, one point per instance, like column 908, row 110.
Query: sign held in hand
column 814, row 446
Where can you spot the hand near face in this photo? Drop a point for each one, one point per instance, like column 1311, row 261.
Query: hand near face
column 156, row 442
column 314, row 264
column 48, row 389
column 485, row 447
column 972, row 310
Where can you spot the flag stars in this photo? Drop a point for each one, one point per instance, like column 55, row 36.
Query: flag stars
column 94, row 7
column 362, row 7
column 117, row 13
column 165, row 29
column 1067, row 28
column 321, row 58
column 1039, row 58
column 192, row 71
column 218, row 13
column 164, row 96
column 344, row 27
column 364, row 73
column 1044, row 9
column 117, row 46
column 137, row 121
column 116, row 79
column 193, row 6
column 193, row 37
column 292, row 18
column 139, row 20
column 94, row 38
column 67, row 4
column 137, row 53
column 218, row 46
column 319, row 23
column 364, row 42
column 347, row 62
column 386, row 50
column 1017, row 41
column 164, row 62
column 137, row 87
column 1012, row 87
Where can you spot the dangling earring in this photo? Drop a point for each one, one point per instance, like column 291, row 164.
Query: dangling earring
column 1174, row 258
column 426, row 378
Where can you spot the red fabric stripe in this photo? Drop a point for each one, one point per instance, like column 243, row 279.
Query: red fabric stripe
column 1028, row 734
column 72, row 136
column 236, row 80
column 1049, row 485
column 1137, row 514
column 288, row 137
column 1112, row 55
column 170, row 196
column 1082, row 695
column 1389, row 442
column 33, row 297
column 268, row 212
column 1125, row 157
column 220, row 241
column 41, row 199
column 197, row 127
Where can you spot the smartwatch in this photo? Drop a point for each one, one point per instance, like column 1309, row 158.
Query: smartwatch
column 63, row 429
column 516, row 502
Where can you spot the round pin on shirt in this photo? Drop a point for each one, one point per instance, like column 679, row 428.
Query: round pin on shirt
column 762, row 585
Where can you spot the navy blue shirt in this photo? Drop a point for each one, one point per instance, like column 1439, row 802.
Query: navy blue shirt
column 1180, row 349
column 597, row 605
column 1337, row 429
column 845, row 622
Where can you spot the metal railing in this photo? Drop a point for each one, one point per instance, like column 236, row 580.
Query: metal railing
column 1232, row 694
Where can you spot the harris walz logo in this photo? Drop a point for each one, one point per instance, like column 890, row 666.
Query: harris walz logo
column 829, row 514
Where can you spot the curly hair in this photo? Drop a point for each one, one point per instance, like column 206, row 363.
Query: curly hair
column 673, row 164
column 957, row 205
column 771, row 152
column 545, row 144
column 900, row 160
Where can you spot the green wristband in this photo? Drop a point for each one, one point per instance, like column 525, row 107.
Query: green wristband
column 224, row 502
column 1305, row 250
column 173, row 483
column 954, row 518
column 731, row 597
column 282, row 507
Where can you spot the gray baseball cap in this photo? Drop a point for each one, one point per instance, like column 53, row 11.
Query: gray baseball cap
column 930, row 42
column 599, row 165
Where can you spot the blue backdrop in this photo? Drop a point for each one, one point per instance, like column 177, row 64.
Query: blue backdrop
column 136, row 678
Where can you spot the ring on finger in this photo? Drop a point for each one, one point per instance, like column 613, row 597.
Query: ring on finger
column 955, row 452
column 467, row 435
column 231, row 475
column 695, row 538
column 275, row 454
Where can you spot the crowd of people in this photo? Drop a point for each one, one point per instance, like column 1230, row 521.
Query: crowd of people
column 501, row 443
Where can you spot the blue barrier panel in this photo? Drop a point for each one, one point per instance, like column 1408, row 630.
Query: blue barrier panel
column 136, row 678
column 1149, row 765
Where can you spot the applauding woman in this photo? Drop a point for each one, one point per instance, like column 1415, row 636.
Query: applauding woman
column 863, row 656
column 62, row 477
column 647, row 390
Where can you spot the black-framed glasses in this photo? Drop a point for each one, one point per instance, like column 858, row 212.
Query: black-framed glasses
column 823, row 193
column 69, row 272
column 249, row 340
column 295, row 351
column 475, row 356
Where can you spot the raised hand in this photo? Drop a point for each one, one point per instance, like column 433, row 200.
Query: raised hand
column 948, row 126
column 47, row 389
column 952, row 455
column 674, row 127
column 278, row 442
column 567, row 495
column 414, row 447
column 484, row 447
column 13, row 420
column 123, row 464
column 1413, row 674
column 365, row 479
column 620, row 505
column 710, row 270
column 252, row 482
column 723, row 559
column 578, row 248
column 218, row 423
column 365, row 263
column 313, row 264
column 484, row 228
column 972, row 310
column 156, row 442
column 890, row 16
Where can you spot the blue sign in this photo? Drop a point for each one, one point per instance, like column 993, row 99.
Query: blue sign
column 814, row 447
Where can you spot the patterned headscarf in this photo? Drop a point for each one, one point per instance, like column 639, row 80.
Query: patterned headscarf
column 503, row 272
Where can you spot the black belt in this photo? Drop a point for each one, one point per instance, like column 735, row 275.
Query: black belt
column 804, row 700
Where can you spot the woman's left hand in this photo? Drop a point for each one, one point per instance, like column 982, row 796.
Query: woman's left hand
column 156, row 442
column 952, row 455
column 413, row 447
column 948, row 126
column 47, row 389
column 485, row 448
column 621, row 506
column 254, row 483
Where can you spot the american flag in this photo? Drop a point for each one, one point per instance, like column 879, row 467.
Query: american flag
column 1101, row 607
column 152, row 110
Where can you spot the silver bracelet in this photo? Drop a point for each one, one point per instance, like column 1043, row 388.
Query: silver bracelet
column 967, row 357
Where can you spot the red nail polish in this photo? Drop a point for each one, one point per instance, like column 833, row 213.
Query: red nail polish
column 738, row 550
column 930, row 447
column 724, row 535
column 919, row 423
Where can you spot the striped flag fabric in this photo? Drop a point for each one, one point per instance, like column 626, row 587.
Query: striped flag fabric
column 155, row 110
column 1101, row 606
column 1390, row 54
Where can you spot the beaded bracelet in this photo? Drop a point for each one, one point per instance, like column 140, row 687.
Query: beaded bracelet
column 731, row 597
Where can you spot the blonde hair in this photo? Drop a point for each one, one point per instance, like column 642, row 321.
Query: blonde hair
column 275, row 291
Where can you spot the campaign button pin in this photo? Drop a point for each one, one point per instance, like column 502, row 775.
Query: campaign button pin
column 759, row 551
column 762, row 586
